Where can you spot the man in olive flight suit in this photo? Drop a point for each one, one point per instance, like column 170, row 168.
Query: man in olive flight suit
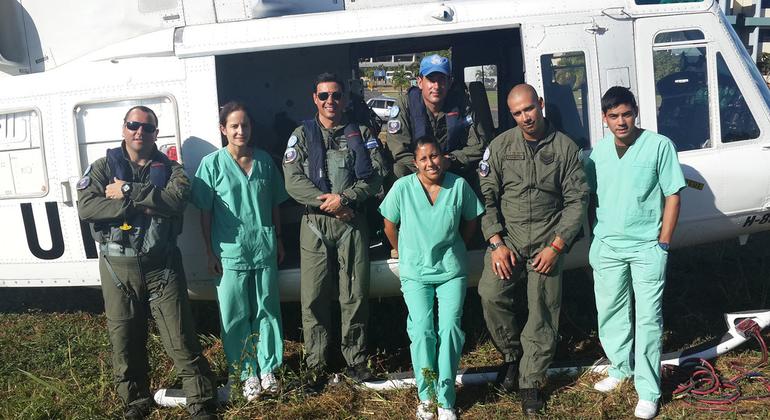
column 430, row 109
column 331, row 167
column 134, row 199
column 535, row 194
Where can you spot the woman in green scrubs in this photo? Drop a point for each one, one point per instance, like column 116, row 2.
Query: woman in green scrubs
column 422, row 221
column 238, row 190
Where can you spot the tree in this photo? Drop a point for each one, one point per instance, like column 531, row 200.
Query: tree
column 400, row 80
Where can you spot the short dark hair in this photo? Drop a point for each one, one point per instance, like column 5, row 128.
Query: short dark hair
column 427, row 139
column 143, row 109
column 228, row 109
column 616, row 96
column 328, row 77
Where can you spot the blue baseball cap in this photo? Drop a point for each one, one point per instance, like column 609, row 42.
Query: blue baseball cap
column 434, row 63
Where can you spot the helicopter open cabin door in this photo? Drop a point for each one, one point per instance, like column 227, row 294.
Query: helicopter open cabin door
column 698, row 86
column 560, row 62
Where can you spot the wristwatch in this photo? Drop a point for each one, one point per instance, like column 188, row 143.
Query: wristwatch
column 663, row 245
column 494, row 246
column 345, row 201
column 126, row 189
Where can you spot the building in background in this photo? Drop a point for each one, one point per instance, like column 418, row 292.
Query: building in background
column 751, row 22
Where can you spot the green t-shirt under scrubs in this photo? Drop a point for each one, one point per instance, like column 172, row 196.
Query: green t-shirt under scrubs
column 430, row 248
column 241, row 206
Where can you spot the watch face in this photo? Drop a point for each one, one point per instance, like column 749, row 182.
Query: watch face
column 126, row 188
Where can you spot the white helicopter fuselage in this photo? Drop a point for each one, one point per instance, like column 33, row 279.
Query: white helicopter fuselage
column 62, row 101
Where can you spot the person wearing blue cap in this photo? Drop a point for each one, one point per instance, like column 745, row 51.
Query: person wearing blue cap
column 433, row 109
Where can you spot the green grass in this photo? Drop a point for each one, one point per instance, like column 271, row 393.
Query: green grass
column 57, row 365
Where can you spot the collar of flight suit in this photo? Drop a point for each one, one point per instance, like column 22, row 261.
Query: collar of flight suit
column 550, row 134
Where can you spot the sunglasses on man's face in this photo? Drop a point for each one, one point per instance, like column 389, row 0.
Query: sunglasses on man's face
column 146, row 127
column 322, row 96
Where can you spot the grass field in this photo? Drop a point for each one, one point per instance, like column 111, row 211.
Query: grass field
column 55, row 357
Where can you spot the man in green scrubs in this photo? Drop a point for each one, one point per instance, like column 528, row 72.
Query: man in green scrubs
column 535, row 196
column 428, row 207
column 238, row 189
column 332, row 166
column 636, row 177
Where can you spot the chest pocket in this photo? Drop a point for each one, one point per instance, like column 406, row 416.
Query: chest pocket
column 515, row 168
column 339, row 166
column 548, row 173
column 644, row 175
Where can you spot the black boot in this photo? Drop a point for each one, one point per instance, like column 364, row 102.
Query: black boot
column 531, row 401
column 508, row 376
column 136, row 412
column 359, row 372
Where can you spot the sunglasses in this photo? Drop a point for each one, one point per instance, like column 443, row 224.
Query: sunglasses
column 325, row 95
column 146, row 127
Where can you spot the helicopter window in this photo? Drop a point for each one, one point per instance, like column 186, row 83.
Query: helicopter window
column 565, row 91
column 22, row 164
column 734, row 115
column 681, row 93
column 679, row 36
column 98, row 126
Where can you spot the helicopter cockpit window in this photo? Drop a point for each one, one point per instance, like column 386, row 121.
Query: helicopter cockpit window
column 679, row 36
column 681, row 94
column 735, row 117
column 22, row 162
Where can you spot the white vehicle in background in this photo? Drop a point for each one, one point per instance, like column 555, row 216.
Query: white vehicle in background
column 381, row 106
column 68, row 74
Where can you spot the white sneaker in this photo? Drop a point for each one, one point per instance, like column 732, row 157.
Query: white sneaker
column 251, row 388
column 447, row 414
column 607, row 384
column 646, row 409
column 425, row 410
column 270, row 383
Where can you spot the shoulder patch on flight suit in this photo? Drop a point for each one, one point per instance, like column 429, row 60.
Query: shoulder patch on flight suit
column 515, row 156
column 292, row 141
column 487, row 153
column 88, row 170
column 84, row 182
column 394, row 110
column 483, row 168
column 372, row 143
column 546, row 158
column 394, row 126
column 290, row 155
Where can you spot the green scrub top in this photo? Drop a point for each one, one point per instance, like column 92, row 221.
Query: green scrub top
column 430, row 248
column 241, row 206
column 631, row 190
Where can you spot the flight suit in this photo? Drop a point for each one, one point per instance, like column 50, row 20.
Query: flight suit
column 400, row 140
column 322, row 234
column 530, row 197
column 137, row 283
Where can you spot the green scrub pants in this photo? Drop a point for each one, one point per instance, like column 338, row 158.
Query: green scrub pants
column 535, row 345
column 420, row 326
column 162, row 294
column 250, row 311
column 619, row 277
column 319, row 237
